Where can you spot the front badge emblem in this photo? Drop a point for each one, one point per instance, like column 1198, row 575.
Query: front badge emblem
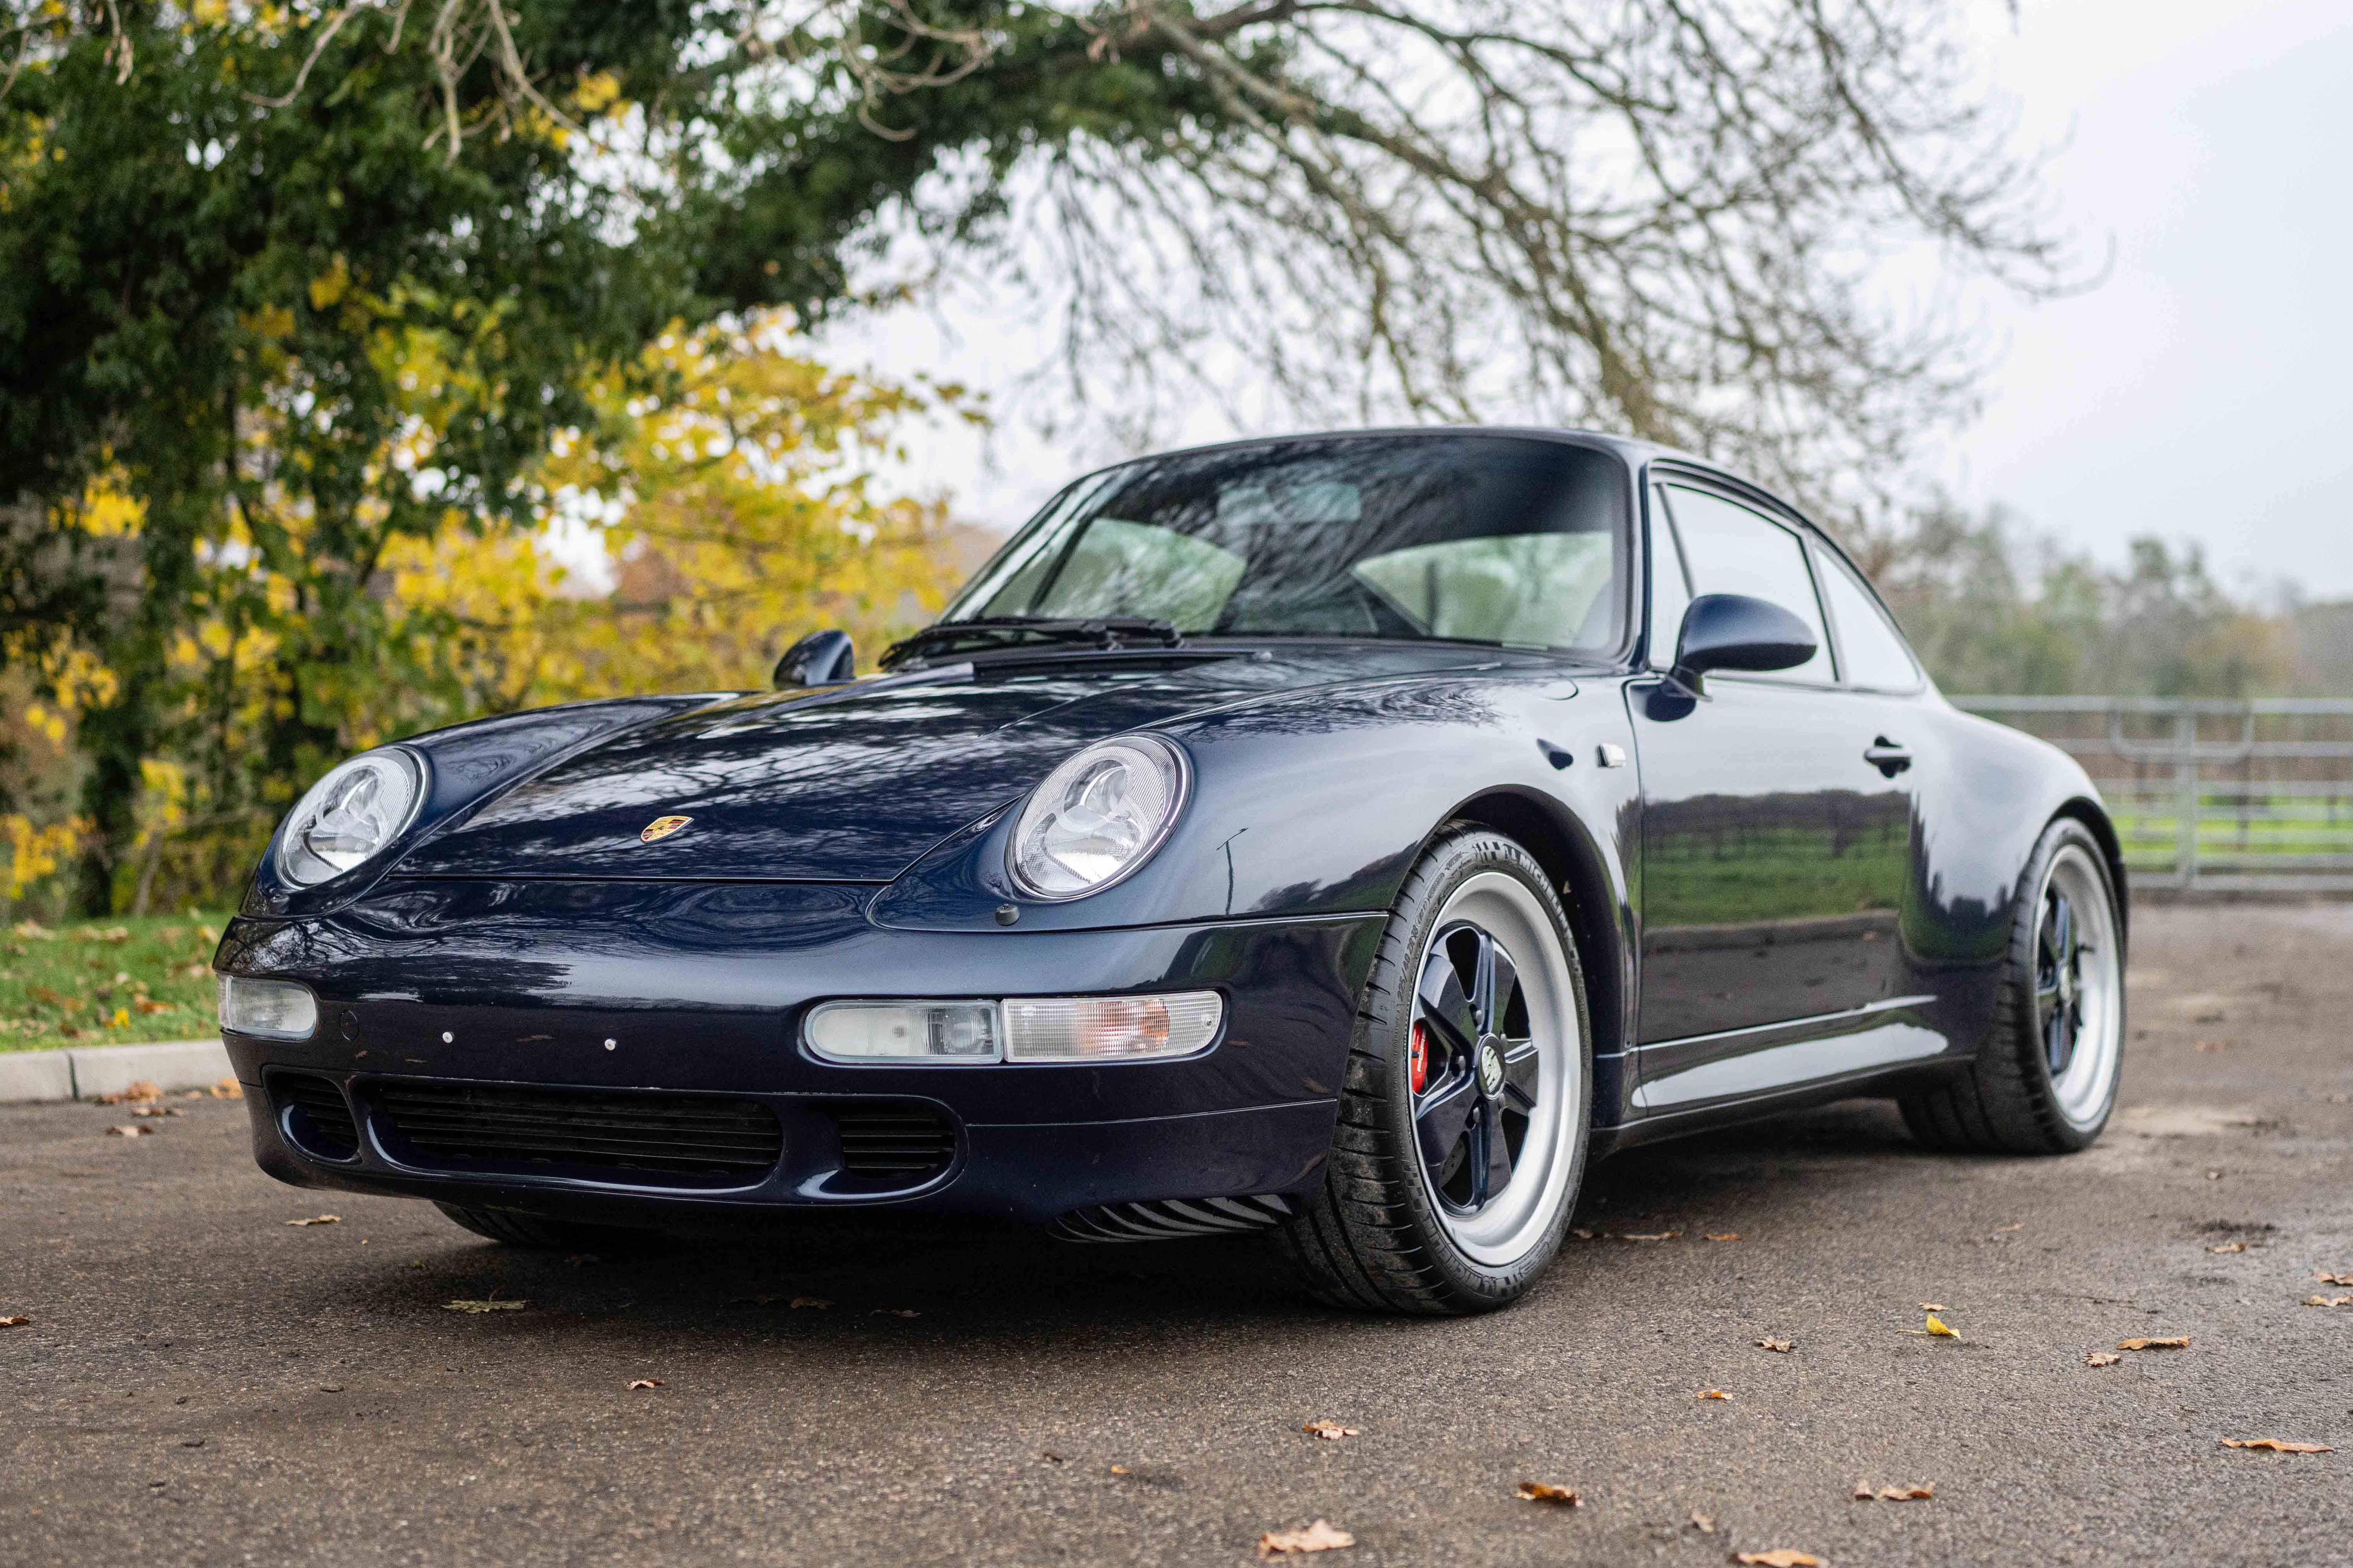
column 663, row 827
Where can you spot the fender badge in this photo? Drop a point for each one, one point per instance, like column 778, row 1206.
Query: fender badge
column 661, row 828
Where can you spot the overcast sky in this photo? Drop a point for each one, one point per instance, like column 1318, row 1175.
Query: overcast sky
column 2204, row 392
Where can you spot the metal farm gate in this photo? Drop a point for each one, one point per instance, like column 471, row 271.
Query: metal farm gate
column 2211, row 795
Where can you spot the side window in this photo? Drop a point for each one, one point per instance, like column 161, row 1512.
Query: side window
column 1670, row 593
column 1871, row 649
column 1731, row 550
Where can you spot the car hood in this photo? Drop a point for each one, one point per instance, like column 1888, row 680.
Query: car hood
column 848, row 784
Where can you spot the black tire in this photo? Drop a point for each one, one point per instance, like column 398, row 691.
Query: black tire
column 2008, row 1101
column 1372, row 1237
column 535, row 1234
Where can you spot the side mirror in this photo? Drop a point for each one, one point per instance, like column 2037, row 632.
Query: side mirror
column 820, row 659
column 1733, row 631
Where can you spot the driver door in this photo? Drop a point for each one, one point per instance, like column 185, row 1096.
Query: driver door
column 1774, row 855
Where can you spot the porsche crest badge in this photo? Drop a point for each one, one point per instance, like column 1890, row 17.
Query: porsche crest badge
column 661, row 828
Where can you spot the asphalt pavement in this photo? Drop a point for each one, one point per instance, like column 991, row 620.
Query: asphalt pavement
column 204, row 1381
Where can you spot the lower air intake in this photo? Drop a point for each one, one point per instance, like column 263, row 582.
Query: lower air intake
column 314, row 1116
column 897, row 1145
column 632, row 1139
column 1172, row 1219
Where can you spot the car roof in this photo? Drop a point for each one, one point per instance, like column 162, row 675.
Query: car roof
column 1634, row 451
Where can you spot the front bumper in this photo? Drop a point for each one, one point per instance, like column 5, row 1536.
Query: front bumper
column 620, row 994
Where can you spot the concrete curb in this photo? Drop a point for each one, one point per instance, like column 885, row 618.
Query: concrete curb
column 85, row 1072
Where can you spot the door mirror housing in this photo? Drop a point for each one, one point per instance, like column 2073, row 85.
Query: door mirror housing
column 821, row 659
column 1733, row 631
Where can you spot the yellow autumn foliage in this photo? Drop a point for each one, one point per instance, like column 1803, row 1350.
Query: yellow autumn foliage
column 680, row 545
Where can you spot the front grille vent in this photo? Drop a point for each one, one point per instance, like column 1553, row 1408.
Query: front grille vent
column 899, row 1144
column 314, row 1115
column 641, row 1139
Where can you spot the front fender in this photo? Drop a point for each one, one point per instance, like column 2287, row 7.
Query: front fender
column 1311, row 803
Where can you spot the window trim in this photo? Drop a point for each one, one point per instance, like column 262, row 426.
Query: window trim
column 1749, row 495
column 1838, row 561
column 1654, row 656
column 1735, row 494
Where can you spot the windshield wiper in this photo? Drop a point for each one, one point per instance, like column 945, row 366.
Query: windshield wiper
column 982, row 631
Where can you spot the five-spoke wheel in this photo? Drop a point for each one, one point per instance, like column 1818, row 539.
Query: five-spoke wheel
column 1463, row 1130
column 1472, row 1066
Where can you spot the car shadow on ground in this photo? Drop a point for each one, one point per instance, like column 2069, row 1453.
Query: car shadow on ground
column 856, row 1277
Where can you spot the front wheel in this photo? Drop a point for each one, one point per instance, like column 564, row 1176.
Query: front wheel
column 2045, row 1079
column 1464, row 1114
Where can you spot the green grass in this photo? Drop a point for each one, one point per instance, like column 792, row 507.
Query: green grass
column 107, row 982
column 2276, row 824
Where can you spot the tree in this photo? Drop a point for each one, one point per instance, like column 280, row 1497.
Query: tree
column 222, row 228
column 702, row 530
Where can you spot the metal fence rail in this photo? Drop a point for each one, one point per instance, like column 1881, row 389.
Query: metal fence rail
column 2211, row 795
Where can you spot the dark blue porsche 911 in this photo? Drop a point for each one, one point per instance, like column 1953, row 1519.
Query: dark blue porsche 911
column 1342, row 837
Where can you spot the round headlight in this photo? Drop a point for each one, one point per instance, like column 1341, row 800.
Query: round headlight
column 350, row 815
column 1098, row 816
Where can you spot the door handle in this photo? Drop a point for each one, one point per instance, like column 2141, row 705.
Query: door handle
column 1886, row 756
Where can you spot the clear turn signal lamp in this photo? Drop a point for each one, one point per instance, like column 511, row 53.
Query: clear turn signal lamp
column 1020, row 1029
column 273, row 1009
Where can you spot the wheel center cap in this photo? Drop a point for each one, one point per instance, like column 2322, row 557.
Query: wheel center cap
column 1491, row 1068
column 2067, row 983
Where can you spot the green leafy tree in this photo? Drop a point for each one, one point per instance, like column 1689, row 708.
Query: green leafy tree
column 226, row 229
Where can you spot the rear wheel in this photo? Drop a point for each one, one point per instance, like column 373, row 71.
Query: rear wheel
column 539, row 1235
column 1463, row 1119
column 2045, row 1079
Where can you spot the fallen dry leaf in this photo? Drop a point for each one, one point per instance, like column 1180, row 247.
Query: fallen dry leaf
column 1938, row 1329
column 2005, row 1229
column 1119, row 1469
column 1932, row 1306
column 1713, row 1394
column 814, row 1303
column 2335, row 1278
column 1580, row 1231
column 227, row 1088
column 2180, row 1343
column 2101, row 1358
column 1661, row 1236
column 1780, row 1557
column 2277, row 1447
column 1543, row 1492
column 142, row 1092
column 2212, row 1045
column 16, row 1323
column 484, row 1306
column 894, row 1313
column 2328, row 1301
column 2229, row 1247
column 1320, row 1536
column 154, row 1111
column 1701, row 1523
column 130, row 1130
column 1332, row 1430
column 321, row 1219
column 1783, row 1346
column 1727, row 1235
column 648, row 1382
column 1864, row 1493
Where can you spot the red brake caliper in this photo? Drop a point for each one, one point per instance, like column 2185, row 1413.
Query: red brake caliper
column 1417, row 1058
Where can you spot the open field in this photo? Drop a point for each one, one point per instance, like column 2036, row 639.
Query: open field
column 204, row 1381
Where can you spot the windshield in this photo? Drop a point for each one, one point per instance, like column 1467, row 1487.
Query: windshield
column 1498, row 539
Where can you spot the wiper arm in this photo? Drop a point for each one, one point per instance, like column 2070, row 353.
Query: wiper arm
column 1104, row 631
